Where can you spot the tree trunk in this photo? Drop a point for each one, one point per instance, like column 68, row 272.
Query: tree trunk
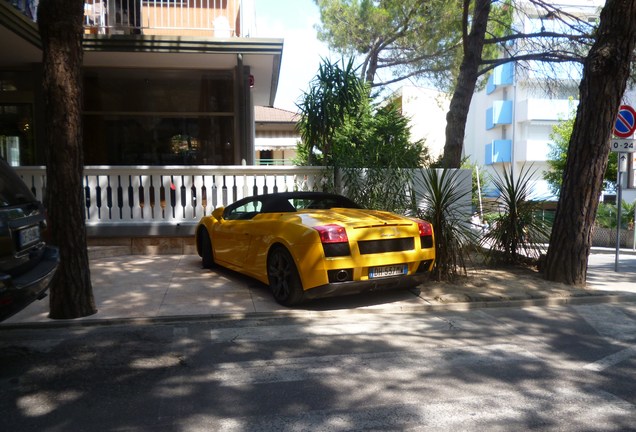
column 372, row 64
column 605, row 74
column 60, row 22
column 473, row 44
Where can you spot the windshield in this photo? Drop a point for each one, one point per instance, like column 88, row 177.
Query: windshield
column 13, row 191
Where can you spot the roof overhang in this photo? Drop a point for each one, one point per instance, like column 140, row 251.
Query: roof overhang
column 20, row 38
column 262, row 56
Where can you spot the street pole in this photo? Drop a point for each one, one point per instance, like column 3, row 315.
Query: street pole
column 622, row 166
column 634, row 227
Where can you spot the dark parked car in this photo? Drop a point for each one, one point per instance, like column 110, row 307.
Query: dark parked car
column 27, row 263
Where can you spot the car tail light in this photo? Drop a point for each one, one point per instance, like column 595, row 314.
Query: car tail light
column 425, row 228
column 332, row 234
column 426, row 233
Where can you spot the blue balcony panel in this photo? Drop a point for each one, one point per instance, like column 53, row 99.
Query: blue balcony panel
column 499, row 114
column 502, row 75
column 490, row 85
column 498, row 151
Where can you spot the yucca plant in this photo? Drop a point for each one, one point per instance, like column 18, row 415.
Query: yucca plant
column 517, row 233
column 446, row 204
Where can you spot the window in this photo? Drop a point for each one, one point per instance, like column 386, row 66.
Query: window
column 17, row 145
column 244, row 212
column 165, row 117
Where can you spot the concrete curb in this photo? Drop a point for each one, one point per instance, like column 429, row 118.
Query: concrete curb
column 292, row 313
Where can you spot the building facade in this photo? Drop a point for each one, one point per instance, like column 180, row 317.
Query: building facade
column 510, row 123
column 426, row 109
column 165, row 83
column 277, row 136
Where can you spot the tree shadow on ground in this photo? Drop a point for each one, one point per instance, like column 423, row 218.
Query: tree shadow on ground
column 502, row 369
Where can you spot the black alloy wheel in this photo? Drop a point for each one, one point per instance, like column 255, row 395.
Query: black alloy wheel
column 284, row 280
column 207, row 254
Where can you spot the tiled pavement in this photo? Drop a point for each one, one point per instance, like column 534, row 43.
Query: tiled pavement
column 166, row 286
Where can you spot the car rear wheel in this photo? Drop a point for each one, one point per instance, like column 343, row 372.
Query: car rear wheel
column 284, row 280
column 207, row 255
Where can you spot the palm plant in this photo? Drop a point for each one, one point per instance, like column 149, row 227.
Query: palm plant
column 335, row 93
column 517, row 232
column 446, row 204
column 606, row 215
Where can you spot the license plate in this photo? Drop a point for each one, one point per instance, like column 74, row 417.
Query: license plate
column 29, row 235
column 384, row 271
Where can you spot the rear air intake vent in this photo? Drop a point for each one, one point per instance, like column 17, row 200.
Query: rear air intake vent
column 390, row 245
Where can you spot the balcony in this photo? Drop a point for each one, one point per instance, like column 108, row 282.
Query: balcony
column 498, row 151
column 218, row 18
column 544, row 109
column 533, row 150
column 211, row 18
column 499, row 114
column 501, row 76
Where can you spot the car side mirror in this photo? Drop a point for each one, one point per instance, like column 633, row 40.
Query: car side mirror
column 218, row 213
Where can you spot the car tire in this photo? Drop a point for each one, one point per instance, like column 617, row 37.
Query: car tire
column 284, row 280
column 207, row 254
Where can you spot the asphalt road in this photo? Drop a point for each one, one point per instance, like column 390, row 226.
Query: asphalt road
column 570, row 368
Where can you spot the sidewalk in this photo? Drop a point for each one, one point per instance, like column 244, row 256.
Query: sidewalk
column 167, row 286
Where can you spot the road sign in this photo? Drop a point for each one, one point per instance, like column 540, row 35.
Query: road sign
column 622, row 145
column 622, row 163
column 625, row 123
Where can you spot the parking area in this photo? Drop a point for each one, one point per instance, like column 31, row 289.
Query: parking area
column 136, row 286
column 153, row 286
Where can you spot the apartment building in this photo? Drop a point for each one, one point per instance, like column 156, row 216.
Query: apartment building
column 510, row 121
column 426, row 109
column 165, row 82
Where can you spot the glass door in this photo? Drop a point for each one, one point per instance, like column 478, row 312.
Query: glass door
column 16, row 134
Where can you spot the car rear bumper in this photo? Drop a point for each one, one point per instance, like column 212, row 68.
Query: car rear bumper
column 18, row 292
column 370, row 285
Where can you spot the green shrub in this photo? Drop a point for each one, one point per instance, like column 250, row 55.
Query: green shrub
column 443, row 206
column 517, row 232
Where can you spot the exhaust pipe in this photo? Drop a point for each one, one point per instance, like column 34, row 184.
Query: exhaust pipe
column 342, row 275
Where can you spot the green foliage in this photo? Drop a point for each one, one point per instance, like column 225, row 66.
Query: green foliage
column 557, row 156
column 443, row 206
column 379, row 188
column 376, row 158
column 499, row 25
column 409, row 37
column 370, row 145
column 396, row 34
column 334, row 95
column 606, row 215
column 516, row 232
column 377, row 138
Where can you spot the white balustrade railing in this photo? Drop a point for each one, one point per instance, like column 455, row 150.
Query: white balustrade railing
column 118, row 196
column 215, row 17
column 220, row 18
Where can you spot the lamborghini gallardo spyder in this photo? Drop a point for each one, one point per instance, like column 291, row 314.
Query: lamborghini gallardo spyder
column 307, row 245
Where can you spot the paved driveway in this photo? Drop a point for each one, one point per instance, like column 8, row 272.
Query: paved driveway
column 135, row 286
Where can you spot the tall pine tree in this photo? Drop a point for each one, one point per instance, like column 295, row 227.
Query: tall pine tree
column 61, row 30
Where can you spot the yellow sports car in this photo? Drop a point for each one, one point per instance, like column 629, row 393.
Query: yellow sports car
column 306, row 245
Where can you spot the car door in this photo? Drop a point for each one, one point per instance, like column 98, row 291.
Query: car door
column 233, row 236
